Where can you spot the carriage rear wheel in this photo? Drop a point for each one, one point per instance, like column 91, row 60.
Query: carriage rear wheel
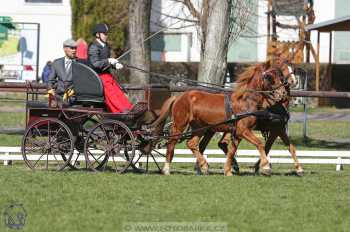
column 109, row 141
column 44, row 142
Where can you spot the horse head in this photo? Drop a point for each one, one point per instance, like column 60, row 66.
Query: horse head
column 273, row 86
column 267, row 82
column 287, row 73
column 282, row 61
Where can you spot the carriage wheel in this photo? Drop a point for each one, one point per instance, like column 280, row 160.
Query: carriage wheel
column 75, row 163
column 110, row 140
column 148, row 158
column 44, row 142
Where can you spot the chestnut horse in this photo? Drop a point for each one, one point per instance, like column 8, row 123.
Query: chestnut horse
column 271, row 129
column 256, row 89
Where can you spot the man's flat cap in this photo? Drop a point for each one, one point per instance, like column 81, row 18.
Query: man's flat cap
column 70, row 43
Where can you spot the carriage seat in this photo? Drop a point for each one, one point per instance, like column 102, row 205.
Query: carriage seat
column 37, row 104
column 88, row 86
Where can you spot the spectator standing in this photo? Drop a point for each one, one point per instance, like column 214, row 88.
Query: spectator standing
column 46, row 72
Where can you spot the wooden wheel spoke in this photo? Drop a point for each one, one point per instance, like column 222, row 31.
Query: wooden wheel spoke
column 158, row 153
column 51, row 138
column 48, row 131
column 39, row 159
column 97, row 159
column 57, row 132
column 155, row 162
column 36, row 128
column 137, row 159
column 65, row 141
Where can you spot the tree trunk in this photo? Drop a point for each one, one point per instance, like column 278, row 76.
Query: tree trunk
column 215, row 42
column 139, row 24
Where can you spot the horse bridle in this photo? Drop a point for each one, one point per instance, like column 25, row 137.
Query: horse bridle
column 270, row 94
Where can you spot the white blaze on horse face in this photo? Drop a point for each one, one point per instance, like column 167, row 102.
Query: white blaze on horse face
column 293, row 82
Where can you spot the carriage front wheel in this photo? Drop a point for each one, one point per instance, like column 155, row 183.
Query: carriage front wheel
column 109, row 146
column 44, row 142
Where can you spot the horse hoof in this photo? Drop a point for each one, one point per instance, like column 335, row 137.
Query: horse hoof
column 256, row 169
column 205, row 170
column 265, row 172
column 235, row 169
column 228, row 174
column 166, row 172
column 300, row 173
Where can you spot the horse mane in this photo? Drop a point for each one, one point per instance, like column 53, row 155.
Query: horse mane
column 244, row 78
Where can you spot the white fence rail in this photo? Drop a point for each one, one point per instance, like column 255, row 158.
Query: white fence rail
column 338, row 158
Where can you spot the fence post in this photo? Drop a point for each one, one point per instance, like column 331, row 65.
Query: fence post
column 7, row 161
column 339, row 166
column 305, row 111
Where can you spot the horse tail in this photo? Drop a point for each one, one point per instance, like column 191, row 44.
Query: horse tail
column 164, row 112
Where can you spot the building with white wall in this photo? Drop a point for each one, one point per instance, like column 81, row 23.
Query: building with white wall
column 182, row 44
column 178, row 40
column 54, row 17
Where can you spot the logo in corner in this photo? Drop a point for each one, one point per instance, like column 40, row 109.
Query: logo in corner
column 15, row 216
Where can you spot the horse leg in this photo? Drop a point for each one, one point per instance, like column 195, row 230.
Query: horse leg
column 264, row 163
column 231, row 157
column 171, row 147
column 223, row 144
column 169, row 156
column 193, row 145
column 269, row 142
column 208, row 135
column 292, row 151
column 205, row 140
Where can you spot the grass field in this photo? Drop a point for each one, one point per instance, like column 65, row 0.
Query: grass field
column 322, row 135
column 83, row 201
column 86, row 201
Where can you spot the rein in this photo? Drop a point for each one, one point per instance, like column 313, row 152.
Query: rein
column 178, row 79
column 206, row 85
column 215, row 87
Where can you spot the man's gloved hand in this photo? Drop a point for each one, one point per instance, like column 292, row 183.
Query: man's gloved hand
column 67, row 94
column 119, row 66
column 113, row 61
column 70, row 92
column 51, row 92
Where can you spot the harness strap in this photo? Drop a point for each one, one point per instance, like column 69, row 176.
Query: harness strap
column 228, row 106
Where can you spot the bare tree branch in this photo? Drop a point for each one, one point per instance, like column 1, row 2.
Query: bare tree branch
column 175, row 17
column 192, row 9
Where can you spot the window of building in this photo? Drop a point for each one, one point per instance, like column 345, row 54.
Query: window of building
column 43, row 1
column 166, row 42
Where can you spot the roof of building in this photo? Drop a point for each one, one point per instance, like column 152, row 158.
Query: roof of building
column 338, row 24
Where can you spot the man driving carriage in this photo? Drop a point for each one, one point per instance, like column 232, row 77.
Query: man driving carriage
column 99, row 55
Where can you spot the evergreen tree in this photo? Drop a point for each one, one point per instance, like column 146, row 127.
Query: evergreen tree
column 87, row 13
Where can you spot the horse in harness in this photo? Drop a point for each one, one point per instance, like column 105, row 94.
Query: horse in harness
column 258, row 88
column 272, row 124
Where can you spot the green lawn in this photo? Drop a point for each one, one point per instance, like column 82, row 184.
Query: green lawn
column 321, row 134
column 84, row 201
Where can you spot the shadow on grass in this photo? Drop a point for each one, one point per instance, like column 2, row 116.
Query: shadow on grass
column 320, row 143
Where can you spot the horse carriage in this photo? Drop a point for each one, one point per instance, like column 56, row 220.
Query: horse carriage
column 84, row 134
